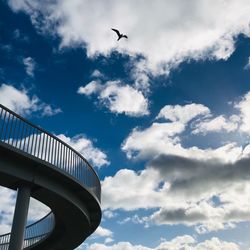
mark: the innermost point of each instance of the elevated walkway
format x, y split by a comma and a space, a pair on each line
57, 176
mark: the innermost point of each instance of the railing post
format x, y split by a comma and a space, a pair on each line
20, 218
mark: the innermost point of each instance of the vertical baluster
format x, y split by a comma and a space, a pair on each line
35, 143
77, 169
32, 138
1, 121
42, 147
14, 132
10, 129
6, 127
74, 164
81, 171
17, 133
46, 147
53, 154
25, 137
3, 124
21, 135
28, 139
58, 153
39, 144
49, 148
70, 160
61, 156
64, 158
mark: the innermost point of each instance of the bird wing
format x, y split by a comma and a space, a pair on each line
117, 32
125, 36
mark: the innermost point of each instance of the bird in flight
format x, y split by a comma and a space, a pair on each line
119, 34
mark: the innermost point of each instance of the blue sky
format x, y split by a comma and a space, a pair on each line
163, 116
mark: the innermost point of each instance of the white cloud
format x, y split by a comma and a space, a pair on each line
165, 138
109, 214
102, 232
159, 137
186, 242
85, 147
140, 74
156, 30
20, 102
91, 88
136, 219
30, 65
108, 240
182, 191
183, 114
118, 246
180, 182
244, 109
140, 187
217, 124
118, 98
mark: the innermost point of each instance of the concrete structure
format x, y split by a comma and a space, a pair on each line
38, 164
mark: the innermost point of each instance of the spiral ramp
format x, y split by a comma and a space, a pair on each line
56, 175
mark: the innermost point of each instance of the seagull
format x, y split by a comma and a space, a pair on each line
119, 34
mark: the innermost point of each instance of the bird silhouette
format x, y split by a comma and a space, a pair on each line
119, 34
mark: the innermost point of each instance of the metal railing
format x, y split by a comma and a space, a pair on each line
17, 132
33, 233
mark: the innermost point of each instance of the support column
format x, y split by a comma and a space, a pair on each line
20, 218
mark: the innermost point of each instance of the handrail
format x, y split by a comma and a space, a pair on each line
17, 132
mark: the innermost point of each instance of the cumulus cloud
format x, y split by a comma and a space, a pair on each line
156, 30
29, 64
85, 147
165, 137
239, 121
182, 190
165, 134
105, 233
183, 114
19, 101
180, 182
117, 97
91, 88
243, 107
155, 139
140, 187
217, 124
109, 214
181, 242
102, 232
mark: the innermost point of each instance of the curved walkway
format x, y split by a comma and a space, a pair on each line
58, 176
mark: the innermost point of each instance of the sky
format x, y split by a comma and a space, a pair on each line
162, 116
